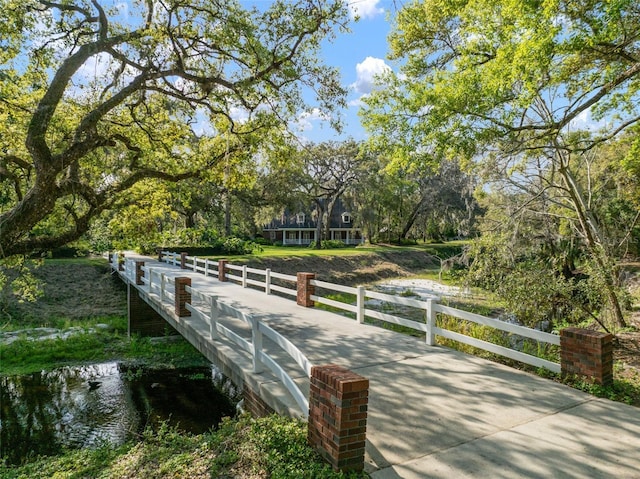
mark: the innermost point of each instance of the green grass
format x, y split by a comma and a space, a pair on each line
273, 447
622, 390
25, 356
439, 249
88, 261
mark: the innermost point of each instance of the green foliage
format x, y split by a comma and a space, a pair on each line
274, 447
526, 285
18, 281
485, 333
329, 244
508, 96
627, 391
209, 242
78, 141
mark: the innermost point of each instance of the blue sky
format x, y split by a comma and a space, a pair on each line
359, 55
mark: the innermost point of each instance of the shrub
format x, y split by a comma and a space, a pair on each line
329, 244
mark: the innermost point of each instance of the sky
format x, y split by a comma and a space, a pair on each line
359, 56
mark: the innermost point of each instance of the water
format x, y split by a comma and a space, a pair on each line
84, 406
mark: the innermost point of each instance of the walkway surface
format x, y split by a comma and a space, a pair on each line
438, 413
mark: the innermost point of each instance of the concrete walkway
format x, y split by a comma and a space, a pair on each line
438, 413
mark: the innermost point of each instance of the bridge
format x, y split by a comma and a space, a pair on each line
429, 411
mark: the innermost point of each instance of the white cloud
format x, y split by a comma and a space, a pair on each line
584, 121
95, 68
239, 114
358, 101
366, 72
304, 122
365, 8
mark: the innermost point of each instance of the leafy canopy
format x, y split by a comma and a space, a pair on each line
98, 95
516, 75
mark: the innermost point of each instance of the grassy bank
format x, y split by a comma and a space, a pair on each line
93, 345
271, 447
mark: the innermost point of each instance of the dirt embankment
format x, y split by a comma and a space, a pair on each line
352, 270
71, 291
74, 290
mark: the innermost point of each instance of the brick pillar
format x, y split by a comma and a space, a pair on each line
120, 262
139, 272
338, 416
587, 353
159, 253
183, 260
143, 319
305, 289
182, 297
222, 270
254, 404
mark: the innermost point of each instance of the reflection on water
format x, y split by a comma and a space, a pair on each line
84, 406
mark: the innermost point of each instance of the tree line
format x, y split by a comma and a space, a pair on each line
512, 123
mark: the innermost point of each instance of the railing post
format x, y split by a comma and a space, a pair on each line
338, 403
139, 272
267, 281
256, 340
305, 289
213, 315
360, 304
195, 264
206, 267
163, 284
183, 260
222, 270
150, 275
182, 296
587, 353
244, 275
431, 321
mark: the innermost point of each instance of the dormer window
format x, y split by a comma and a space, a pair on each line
346, 217
300, 217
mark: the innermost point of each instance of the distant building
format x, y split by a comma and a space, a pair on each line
299, 228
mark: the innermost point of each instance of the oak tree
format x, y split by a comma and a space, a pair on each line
97, 95
506, 84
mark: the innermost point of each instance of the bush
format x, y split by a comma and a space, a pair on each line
329, 244
227, 246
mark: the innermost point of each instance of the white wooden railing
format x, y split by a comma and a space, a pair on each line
242, 275
430, 307
161, 287
208, 309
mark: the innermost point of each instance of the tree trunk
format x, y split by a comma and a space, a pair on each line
412, 219
327, 225
319, 217
595, 244
227, 214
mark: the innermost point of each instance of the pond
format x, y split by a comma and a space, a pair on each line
84, 406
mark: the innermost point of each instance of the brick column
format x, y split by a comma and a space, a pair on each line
143, 319
183, 260
338, 416
587, 353
305, 289
120, 262
182, 297
254, 404
159, 253
139, 272
222, 270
